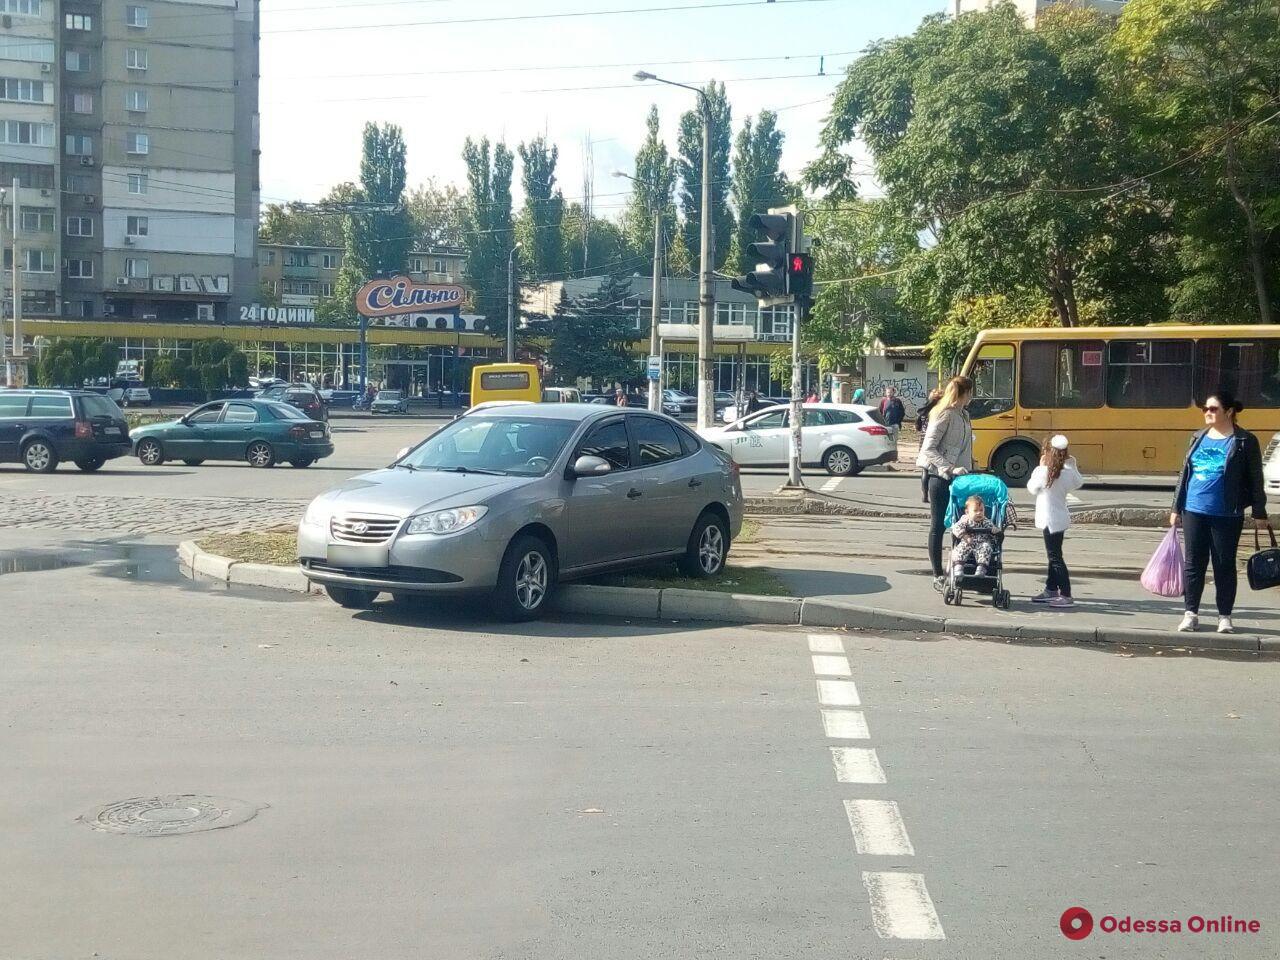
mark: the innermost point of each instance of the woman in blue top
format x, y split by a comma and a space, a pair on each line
1221, 476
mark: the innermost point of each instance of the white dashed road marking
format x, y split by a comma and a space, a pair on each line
831, 485
831, 666
857, 765
878, 830
901, 907
825, 643
838, 693
845, 725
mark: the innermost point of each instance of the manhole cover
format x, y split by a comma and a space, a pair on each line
167, 816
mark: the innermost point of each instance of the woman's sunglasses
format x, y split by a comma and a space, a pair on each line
1211, 408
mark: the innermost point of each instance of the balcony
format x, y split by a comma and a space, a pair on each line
298, 271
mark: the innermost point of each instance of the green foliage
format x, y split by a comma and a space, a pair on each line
438, 213
606, 245
541, 221
758, 181
490, 227
70, 361
954, 337
591, 335
163, 371
301, 224
689, 165
378, 243
655, 177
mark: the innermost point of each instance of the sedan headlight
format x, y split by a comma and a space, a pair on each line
316, 516
443, 522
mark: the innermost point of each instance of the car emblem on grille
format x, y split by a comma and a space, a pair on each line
360, 527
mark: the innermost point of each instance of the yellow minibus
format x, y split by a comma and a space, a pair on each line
505, 381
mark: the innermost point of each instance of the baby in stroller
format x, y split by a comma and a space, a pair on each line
975, 539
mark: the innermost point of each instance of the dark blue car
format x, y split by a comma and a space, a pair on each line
42, 428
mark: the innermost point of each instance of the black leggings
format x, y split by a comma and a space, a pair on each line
1210, 537
939, 498
1059, 577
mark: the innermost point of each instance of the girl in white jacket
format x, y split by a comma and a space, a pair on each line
1050, 483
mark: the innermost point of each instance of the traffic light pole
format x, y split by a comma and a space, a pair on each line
706, 295
795, 479
655, 313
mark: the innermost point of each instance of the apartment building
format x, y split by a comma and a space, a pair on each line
299, 276
133, 128
1031, 9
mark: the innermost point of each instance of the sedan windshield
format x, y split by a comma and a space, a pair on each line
509, 445
389, 395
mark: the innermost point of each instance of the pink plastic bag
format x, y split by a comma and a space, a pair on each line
1163, 575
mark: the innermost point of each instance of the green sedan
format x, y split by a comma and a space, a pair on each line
259, 432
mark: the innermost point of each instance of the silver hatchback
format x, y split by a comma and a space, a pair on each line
513, 500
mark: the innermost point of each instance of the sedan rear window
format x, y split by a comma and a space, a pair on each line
287, 413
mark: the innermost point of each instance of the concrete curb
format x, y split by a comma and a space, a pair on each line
673, 603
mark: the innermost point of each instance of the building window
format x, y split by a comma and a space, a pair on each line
78, 61
80, 269
415, 265
79, 226
138, 144
268, 258
78, 21
204, 312
22, 91
326, 289
136, 101
77, 183
24, 48
136, 269
136, 226
25, 8
80, 102
296, 259
30, 175
37, 261
136, 16
135, 58
26, 133
329, 261
33, 221
138, 184
439, 266
79, 145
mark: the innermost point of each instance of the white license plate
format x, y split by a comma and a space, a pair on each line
317, 434
112, 431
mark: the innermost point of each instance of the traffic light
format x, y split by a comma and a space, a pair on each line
800, 277
770, 280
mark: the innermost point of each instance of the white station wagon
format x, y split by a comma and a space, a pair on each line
841, 438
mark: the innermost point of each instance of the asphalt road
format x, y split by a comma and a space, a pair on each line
431, 784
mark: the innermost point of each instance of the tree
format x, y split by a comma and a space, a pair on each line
591, 335
70, 361
954, 337
689, 165
303, 224
489, 227
438, 214
1007, 148
215, 365
1206, 76
542, 219
758, 181
652, 189
607, 250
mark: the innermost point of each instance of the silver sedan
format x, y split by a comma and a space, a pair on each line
513, 500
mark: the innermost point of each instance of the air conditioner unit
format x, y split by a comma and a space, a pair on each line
46, 67
89, 198
122, 281
45, 193
86, 161
149, 316
129, 241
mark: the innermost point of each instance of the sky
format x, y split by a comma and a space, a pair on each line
329, 66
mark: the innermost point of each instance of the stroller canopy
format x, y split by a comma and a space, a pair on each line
992, 490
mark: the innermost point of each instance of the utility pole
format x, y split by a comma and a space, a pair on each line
655, 314
511, 305
794, 477
16, 362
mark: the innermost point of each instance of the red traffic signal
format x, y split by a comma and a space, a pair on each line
800, 275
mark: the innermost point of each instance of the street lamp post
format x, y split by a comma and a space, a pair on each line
706, 293
655, 343
511, 304
16, 361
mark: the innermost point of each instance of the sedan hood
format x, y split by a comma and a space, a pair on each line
403, 493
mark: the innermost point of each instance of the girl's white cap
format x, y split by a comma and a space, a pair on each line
1059, 442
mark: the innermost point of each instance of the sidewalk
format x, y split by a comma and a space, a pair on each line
883, 563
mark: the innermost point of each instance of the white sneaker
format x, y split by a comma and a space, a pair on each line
1225, 625
1190, 622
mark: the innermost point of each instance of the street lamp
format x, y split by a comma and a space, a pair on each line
706, 294
511, 304
16, 362
655, 345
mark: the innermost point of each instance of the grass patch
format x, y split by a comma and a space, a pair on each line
142, 419
755, 580
750, 532
277, 547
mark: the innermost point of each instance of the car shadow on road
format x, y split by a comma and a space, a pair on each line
824, 583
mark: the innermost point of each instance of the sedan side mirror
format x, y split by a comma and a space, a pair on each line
400, 454
591, 467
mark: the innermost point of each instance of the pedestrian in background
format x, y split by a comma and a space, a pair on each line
1221, 475
619, 398
946, 453
813, 396
859, 396
893, 412
1050, 483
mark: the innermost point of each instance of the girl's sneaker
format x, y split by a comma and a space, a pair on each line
1190, 622
1225, 625
1044, 596
1061, 601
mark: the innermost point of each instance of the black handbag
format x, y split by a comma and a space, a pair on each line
1264, 566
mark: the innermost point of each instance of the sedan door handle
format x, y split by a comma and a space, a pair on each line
634, 494
695, 482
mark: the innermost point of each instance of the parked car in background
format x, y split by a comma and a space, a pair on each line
261, 433
561, 395
843, 439
42, 428
129, 394
510, 501
390, 401
301, 395
263, 383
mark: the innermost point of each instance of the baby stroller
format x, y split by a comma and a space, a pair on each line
1000, 511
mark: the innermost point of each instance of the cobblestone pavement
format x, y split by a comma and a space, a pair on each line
143, 515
